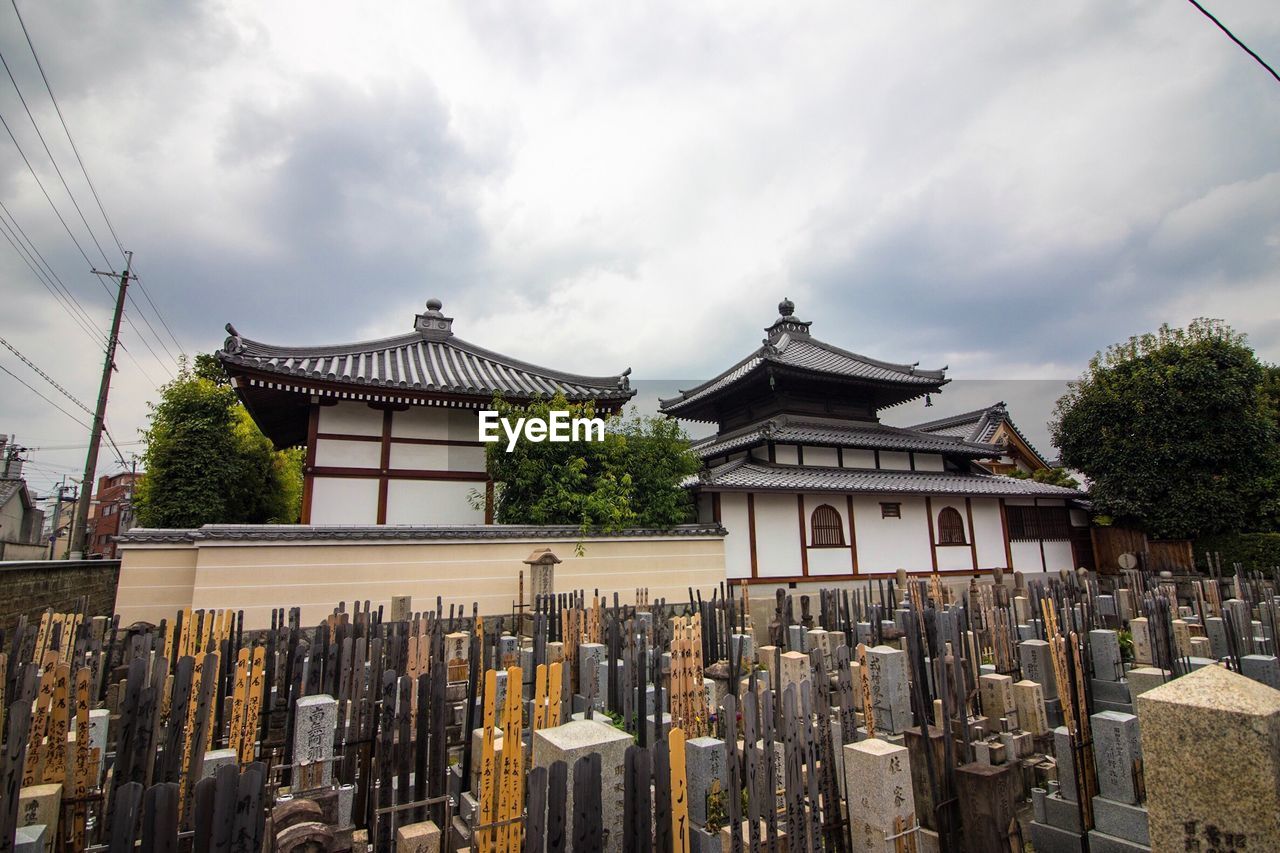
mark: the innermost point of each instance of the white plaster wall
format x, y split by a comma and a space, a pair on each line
895, 461
990, 533
827, 561
344, 500
887, 544
827, 457
1057, 555
462, 458
777, 535
859, 458
464, 424
953, 558
737, 545
422, 422
1026, 555
420, 457
335, 453
761, 453
786, 454
350, 418
432, 502
929, 462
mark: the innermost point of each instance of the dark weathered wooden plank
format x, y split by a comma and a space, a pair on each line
246, 831
160, 819
756, 793
662, 797
123, 828
224, 809
535, 825
11, 771
733, 796
558, 824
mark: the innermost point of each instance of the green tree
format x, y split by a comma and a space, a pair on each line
631, 478
1052, 476
207, 462
1174, 432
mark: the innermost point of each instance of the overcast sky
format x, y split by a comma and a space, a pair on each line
1003, 188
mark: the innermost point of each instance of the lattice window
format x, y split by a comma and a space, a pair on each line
950, 527
891, 510
827, 529
1033, 523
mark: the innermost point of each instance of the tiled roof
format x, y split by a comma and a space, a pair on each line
788, 430
790, 345
979, 425
396, 532
749, 475
429, 359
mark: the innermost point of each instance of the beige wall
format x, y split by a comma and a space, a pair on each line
158, 580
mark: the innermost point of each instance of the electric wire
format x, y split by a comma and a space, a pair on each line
46, 377
43, 397
49, 269
1232, 36
40, 276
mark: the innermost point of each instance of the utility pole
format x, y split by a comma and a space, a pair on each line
79, 526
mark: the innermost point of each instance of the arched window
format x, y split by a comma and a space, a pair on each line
827, 530
950, 527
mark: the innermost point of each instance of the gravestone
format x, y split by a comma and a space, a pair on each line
315, 718
1037, 666
1211, 749
704, 765
1215, 628
1116, 753
996, 693
1261, 668
794, 670
890, 691
1028, 698
542, 571
401, 608
989, 803
578, 739
1141, 632
1104, 646
39, 805
878, 779
418, 838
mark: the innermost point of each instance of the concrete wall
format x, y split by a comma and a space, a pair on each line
31, 587
156, 580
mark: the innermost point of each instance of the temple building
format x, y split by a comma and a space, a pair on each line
992, 425
391, 426
810, 485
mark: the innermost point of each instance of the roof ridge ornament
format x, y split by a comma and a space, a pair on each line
786, 324
234, 343
432, 323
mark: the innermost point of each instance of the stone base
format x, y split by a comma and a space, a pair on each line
1050, 839
1121, 820
701, 841
1062, 813
1111, 691
1119, 707
726, 839
1100, 842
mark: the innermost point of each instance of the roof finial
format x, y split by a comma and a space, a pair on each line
786, 307
433, 323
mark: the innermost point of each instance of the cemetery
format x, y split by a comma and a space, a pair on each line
1075, 712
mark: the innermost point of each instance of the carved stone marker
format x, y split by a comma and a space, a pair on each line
316, 717
1211, 748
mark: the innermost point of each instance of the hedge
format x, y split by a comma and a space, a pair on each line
1251, 550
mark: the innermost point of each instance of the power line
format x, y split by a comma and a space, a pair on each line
88, 180
48, 198
1232, 36
46, 377
40, 276
138, 364
43, 397
52, 159
55, 277
53, 447
66, 129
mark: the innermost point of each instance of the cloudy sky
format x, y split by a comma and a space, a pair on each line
1000, 187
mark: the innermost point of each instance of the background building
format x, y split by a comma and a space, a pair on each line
21, 521
111, 512
391, 425
991, 425
809, 484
